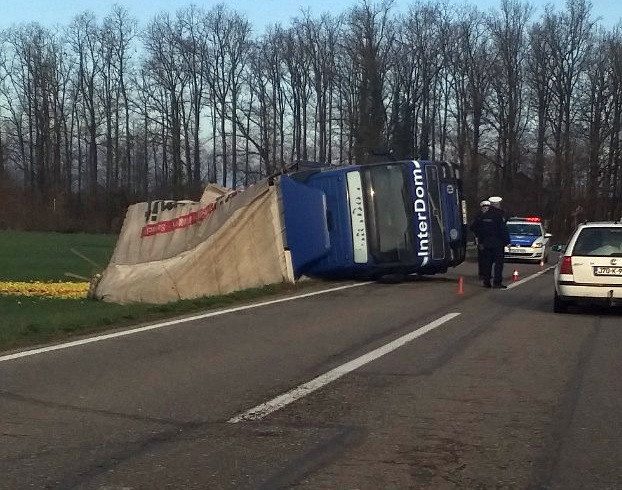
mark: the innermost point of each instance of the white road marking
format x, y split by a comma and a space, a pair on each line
529, 278
294, 394
169, 323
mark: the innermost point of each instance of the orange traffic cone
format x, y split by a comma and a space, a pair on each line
460, 285
515, 275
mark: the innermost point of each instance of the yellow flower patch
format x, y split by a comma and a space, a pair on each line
68, 290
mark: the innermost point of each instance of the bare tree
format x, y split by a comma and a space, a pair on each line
229, 39
368, 41
596, 114
424, 41
508, 28
195, 52
471, 75
569, 37
254, 123
298, 66
318, 40
613, 187
119, 31
539, 62
84, 40
162, 44
78, 112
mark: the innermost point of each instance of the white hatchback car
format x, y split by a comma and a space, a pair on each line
590, 270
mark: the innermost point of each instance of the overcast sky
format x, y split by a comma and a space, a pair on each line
259, 12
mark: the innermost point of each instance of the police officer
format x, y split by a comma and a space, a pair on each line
493, 236
483, 207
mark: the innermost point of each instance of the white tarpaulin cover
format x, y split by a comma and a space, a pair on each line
172, 250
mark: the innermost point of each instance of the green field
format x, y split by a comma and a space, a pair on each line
26, 321
31, 256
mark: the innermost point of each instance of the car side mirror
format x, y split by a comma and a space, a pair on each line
558, 248
547, 235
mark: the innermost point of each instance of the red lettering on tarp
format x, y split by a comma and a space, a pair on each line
183, 221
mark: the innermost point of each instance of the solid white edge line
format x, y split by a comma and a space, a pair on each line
260, 411
169, 323
529, 278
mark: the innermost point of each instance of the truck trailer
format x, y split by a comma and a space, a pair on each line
316, 220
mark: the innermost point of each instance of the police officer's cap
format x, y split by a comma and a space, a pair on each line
495, 199
485, 202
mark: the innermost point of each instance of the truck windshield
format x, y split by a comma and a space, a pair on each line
389, 211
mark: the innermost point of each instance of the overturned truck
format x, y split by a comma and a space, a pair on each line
314, 220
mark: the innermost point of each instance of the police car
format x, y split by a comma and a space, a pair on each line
528, 240
591, 268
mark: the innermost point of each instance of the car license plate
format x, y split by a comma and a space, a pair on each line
608, 271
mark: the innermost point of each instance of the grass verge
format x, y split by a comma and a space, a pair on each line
32, 320
28, 321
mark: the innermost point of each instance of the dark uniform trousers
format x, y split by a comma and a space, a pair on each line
490, 256
480, 261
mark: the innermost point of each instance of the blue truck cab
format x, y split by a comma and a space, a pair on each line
368, 221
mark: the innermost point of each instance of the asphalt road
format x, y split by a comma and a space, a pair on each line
503, 394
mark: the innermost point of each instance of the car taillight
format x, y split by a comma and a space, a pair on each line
566, 267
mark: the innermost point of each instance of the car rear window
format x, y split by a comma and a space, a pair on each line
601, 242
